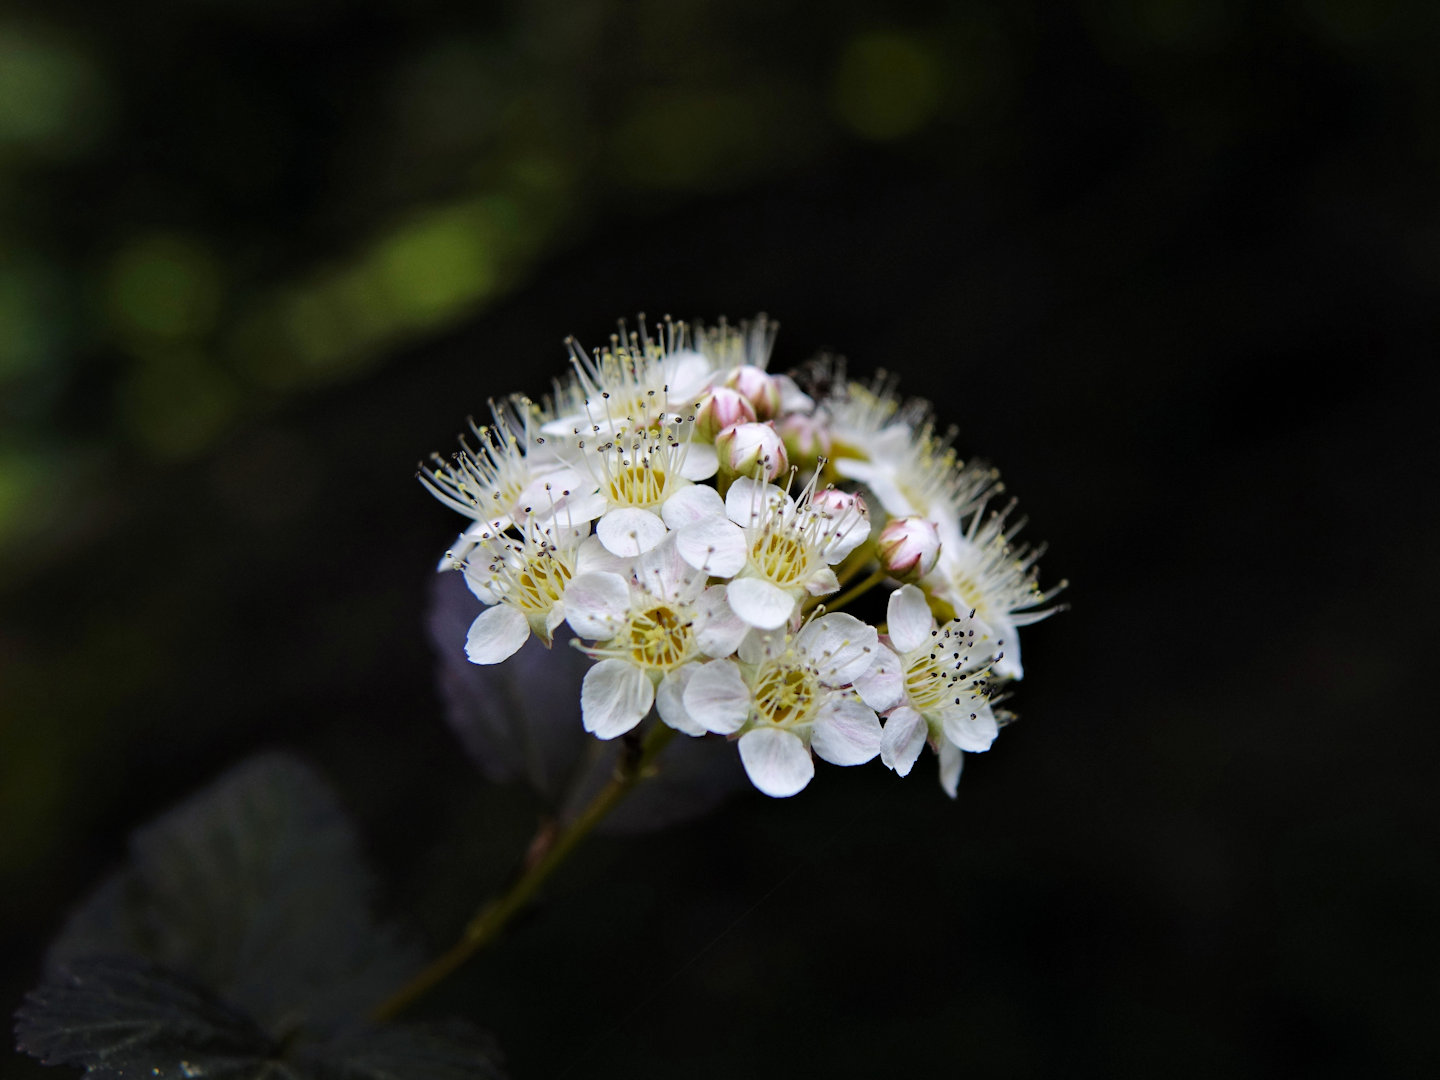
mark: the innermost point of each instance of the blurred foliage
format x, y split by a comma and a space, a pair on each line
206, 209
255, 257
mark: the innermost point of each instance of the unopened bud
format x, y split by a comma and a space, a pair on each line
757, 387
745, 447
909, 547
720, 408
807, 438
832, 502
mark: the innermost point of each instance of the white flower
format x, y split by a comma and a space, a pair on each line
789, 694
524, 580
778, 549
651, 630
635, 382
507, 477
727, 346
894, 451
933, 687
637, 473
983, 571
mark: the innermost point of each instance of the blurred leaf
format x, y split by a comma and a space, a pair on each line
255, 888
239, 943
520, 720
451, 1051
119, 1017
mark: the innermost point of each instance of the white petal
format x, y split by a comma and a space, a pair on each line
670, 700
581, 507
496, 634
717, 698
591, 557
1007, 643
760, 603
822, 583
748, 501
687, 375
595, 605
701, 462
692, 503
630, 531
908, 619
718, 630
850, 532
846, 732
971, 726
840, 646
614, 698
714, 545
951, 760
904, 738
776, 761
482, 582
883, 686
792, 398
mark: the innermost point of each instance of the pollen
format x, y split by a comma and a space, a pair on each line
783, 557
659, 638
786, 694
636, 484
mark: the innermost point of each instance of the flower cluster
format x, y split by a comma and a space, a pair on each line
700, 522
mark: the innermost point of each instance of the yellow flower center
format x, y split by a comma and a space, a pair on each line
641, 485
782, 557
786, 694
659, 638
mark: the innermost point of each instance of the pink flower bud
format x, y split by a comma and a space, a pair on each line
744, 447
909, 547
807, 438
760, 389
835, 503
720, 408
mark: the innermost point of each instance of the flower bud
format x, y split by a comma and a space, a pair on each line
720, 408
909, 547
832, 502
807, 438
759, 388
743, 447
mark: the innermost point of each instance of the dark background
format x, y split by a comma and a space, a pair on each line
1172, 265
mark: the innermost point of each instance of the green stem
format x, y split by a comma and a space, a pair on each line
851, 593
492, 918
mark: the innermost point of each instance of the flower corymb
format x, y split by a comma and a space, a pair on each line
714, 533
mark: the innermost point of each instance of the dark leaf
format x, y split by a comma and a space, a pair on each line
123, 1017
254, 888
520, 720
453, 1051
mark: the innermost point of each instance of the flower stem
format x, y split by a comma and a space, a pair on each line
854, 591
487, 923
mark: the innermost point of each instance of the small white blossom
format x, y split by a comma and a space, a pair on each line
524, 580
634, 382
788, 695
894, 451
637, 472
984, 571
932, 684
509, 476
776, 548
650, 631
